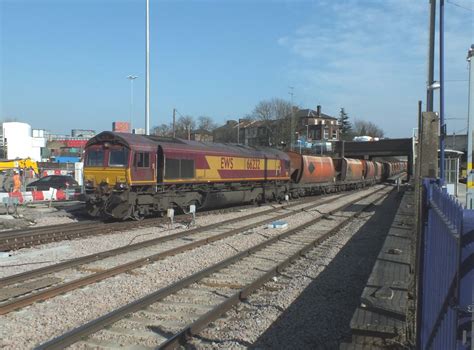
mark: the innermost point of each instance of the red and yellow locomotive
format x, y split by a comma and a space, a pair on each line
132, 176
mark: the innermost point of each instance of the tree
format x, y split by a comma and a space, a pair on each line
165, 130
206, 123
346, 127
279, 110
273, 109
365, 128
184, 126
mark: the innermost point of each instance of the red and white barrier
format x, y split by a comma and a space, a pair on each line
37, 196
55, 172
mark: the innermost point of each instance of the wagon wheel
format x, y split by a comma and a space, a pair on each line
259, 200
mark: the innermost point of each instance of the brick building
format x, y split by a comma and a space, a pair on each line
314, 125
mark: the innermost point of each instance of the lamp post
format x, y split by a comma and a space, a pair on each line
431, 55
131, 78
298, 138
147, 66
292, 121
442, 126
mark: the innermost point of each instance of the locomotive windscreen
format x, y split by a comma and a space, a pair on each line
95, 157
118, 157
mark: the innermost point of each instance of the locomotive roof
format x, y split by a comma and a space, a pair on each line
130, 140
150, 142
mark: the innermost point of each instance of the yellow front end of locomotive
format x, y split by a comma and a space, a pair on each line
100, 176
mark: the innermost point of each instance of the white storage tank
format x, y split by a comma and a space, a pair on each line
17, 137
20, 143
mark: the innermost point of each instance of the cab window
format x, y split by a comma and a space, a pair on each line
118, 157
142, 160
95, 157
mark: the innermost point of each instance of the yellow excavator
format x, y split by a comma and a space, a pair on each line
25, 166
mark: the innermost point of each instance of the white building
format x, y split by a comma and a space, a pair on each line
138, 131
21, 142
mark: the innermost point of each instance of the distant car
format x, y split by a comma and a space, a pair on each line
62, 182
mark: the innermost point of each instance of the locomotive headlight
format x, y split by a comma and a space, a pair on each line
89, 184
120, 186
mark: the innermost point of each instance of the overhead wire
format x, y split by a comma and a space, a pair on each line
459, 5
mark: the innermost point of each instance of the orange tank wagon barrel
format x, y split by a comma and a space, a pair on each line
369, 169
318, 169
351, 169
378, 170
305, 169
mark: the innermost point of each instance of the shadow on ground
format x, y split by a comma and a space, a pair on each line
320, 317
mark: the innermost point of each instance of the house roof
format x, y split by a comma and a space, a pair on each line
311, 113
201, 131
256, 123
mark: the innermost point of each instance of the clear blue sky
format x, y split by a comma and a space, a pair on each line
64, 62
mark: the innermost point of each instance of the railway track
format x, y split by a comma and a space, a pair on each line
25, 238
26, 288
168, 316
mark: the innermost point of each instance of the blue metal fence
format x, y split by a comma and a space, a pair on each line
447, 271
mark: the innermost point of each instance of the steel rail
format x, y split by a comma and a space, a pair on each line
62, 288
197, 326
23, 276
24, 238
96, 325
47, 234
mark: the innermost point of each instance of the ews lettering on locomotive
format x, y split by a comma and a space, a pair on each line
253, 164
227, 163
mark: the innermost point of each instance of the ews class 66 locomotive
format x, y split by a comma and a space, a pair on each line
133, 176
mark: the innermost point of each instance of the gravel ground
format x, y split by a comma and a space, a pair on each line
82, 305
40, 322
311, 304
47, 254
40, 215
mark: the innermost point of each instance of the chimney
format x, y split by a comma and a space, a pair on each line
318, 110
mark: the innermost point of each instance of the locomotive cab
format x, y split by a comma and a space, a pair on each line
117, 162
105, 166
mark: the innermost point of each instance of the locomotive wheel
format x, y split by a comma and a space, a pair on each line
134, 214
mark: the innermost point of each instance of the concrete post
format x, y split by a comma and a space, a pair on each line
470, 127
429, 145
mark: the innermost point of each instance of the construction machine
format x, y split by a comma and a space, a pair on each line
28, 169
